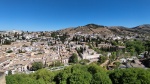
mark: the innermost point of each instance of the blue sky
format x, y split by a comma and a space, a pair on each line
47, 15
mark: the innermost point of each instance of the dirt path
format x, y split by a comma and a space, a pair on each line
2, 79
105, 63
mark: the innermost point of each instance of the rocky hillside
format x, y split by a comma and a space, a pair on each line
142, 28
87, 29
105, 30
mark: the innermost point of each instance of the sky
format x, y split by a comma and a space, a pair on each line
49, 15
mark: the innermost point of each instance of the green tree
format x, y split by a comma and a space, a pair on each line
45, 75
73, 58
113, 56
70, 74
54, 34
83, 74
7, 42
9, 51
36, 66
117, 64
102, 59
133, 46
99, 75
147, 46
101, 78
64, 37
130, 76
9, 72
84, 61
20, 79
93, 68
80, 77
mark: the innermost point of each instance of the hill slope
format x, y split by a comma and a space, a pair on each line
105, 30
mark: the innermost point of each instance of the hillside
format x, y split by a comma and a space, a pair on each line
105, 30
142, 28
87, 29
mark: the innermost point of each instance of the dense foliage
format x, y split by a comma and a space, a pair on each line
42, 76
61, 38
83, 74
102, 59
135, 46
147, 46
37, 66
130, 76
73, 58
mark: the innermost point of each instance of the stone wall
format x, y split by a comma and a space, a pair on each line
2, 78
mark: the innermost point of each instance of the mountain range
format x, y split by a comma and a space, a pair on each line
107, 30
